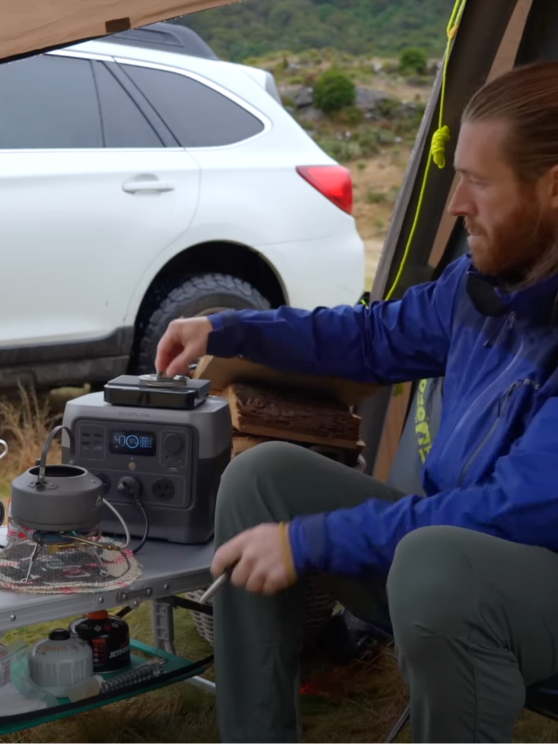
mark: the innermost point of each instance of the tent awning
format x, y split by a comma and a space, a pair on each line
33, 25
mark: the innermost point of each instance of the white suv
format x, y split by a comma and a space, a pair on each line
138, 185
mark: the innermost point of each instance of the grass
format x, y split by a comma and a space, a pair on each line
25, 426
359, 702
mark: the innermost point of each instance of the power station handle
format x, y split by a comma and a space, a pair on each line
42, 462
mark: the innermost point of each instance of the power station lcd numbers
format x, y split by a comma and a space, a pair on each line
132, 442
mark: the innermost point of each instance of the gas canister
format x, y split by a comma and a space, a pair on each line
109, 638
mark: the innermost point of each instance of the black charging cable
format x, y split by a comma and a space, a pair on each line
131, 488
146, 530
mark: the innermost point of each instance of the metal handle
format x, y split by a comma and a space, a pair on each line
42, 462
217, 584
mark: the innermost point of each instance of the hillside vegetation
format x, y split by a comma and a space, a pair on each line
382, 27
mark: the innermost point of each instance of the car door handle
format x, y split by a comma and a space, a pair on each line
147, 186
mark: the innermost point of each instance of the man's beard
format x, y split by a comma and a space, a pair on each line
522, 250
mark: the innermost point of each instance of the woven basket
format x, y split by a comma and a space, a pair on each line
317, 611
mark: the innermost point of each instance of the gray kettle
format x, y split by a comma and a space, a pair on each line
57, 498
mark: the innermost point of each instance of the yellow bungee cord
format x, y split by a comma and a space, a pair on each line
440, 139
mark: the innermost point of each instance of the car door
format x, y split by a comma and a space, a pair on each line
90, 193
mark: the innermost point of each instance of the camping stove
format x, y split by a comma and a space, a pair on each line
159, 446
56, 543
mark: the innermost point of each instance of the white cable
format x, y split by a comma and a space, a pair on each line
122, 522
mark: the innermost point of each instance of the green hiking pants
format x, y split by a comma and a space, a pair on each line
475, 618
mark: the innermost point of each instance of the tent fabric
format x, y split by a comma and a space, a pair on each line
34, 25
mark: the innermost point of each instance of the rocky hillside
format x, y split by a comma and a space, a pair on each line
387, 110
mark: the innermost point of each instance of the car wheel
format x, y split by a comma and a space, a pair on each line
200, 295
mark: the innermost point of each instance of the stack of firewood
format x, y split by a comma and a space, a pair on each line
263, 413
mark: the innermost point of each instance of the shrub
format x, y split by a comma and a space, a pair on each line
413, 61
351, 116
385, 136
388, 108
375, 197
333, 90
341, 150
368, 142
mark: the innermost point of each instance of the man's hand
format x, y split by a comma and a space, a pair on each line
184, 341
262, 558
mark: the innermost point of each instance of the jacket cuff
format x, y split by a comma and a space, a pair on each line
226, 338
307, 536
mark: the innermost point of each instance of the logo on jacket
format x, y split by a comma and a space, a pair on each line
422, 427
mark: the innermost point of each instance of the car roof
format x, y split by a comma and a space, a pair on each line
228, 74
164, 37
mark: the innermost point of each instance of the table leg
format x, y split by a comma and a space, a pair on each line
162, 623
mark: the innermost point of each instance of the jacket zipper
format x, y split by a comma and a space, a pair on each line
502, 329
470, 462
473, 404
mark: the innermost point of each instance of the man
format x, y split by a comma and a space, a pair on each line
472, 572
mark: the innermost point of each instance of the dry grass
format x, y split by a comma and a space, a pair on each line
375, 184
26, 419
359, 702
25, 424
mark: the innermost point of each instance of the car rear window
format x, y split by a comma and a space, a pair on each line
197, 115
49, 102
124, 125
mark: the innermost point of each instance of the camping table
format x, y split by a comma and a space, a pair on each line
167, 570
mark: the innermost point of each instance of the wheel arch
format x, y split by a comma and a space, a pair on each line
220, 257
232, 259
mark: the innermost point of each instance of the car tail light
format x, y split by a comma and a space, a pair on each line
333, 181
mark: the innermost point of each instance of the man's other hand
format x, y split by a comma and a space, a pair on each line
261, 557
183, 342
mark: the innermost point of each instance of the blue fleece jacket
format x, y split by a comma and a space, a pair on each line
493, 466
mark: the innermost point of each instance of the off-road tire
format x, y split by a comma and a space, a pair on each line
199, 295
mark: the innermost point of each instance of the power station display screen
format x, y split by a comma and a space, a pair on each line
132, 442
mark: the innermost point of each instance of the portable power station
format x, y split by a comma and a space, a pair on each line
159, 446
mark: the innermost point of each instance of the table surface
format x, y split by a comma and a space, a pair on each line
167, 569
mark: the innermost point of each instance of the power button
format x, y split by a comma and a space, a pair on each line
174, 444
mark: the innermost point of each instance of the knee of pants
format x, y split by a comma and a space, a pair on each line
242, 480
432, 588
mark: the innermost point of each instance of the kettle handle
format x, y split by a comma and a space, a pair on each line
42, 462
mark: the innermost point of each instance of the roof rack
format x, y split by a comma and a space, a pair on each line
166, 37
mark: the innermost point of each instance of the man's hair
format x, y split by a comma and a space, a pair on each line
527, 98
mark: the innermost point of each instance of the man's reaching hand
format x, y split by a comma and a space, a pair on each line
184, 341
